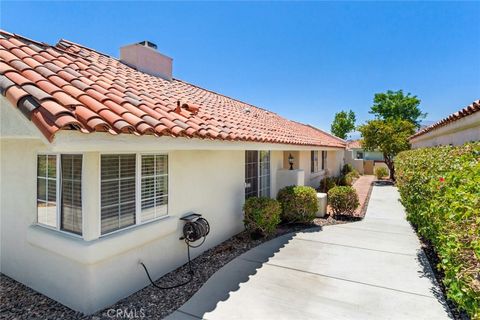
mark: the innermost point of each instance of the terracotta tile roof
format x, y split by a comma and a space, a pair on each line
356, 144
465, 112
69, 86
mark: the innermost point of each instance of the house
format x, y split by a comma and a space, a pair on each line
456, 129
365, 162
100, 157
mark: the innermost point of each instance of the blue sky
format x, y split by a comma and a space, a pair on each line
303, 60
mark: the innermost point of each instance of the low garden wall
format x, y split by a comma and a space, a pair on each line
440, 189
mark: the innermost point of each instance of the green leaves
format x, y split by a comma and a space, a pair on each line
299, 203
343, 200
440, 189
394, 105
262, 215
343, 124
388, 136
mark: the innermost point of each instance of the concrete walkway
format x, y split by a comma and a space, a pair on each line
372, 269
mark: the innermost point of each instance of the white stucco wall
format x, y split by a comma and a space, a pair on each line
455, 133
93, 272
90, 275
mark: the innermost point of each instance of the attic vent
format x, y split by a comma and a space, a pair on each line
246, 110
149, 44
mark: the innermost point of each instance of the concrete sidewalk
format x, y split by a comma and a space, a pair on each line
372, 269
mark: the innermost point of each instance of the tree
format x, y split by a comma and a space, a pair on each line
343, 123
394, 105
389, 137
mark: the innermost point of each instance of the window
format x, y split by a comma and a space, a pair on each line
324, 160
359, 155
117, 191
71, 193
257, 173
134, 189
59, 178
154, 186
264, 173
314, 161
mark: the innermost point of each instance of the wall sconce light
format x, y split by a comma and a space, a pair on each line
290, 161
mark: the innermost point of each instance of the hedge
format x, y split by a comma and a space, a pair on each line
440, 189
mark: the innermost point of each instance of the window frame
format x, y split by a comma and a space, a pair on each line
312, 161
58, 186
258, 175
138, 190
324, 159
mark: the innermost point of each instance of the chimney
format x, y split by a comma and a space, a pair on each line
144, 57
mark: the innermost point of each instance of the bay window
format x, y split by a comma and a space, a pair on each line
59, 192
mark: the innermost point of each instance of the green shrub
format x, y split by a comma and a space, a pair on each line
299, 203
345, 180
262, 215
381, 172
350, 177
355, 173
343, 200
347, 168
440, 189
327, 183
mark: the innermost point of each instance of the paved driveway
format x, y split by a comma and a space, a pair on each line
373, 269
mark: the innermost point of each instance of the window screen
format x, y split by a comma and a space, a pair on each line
154, 186
47, 190
71, 193
117, 191
324, 160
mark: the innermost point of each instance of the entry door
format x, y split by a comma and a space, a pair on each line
257, 173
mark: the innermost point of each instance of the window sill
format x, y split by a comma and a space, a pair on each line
91, 252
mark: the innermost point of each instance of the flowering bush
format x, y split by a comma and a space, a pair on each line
440, 189
299, 203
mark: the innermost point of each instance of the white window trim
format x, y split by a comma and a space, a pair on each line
58, 156
138, 190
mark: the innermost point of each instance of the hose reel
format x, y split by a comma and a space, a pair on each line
195, 228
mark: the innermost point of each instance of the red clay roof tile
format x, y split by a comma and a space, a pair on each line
468, 110
104, 93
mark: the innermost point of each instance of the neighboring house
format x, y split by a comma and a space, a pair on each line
456, 129
365, 162
101, 157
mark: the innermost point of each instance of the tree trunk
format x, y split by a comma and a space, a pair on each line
390, 165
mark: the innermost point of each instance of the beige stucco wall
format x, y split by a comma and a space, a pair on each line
302, 160
357, 164
456, 133
89, 275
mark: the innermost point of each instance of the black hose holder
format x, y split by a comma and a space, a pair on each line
195, 227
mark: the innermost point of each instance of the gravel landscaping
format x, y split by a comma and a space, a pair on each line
21, 302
